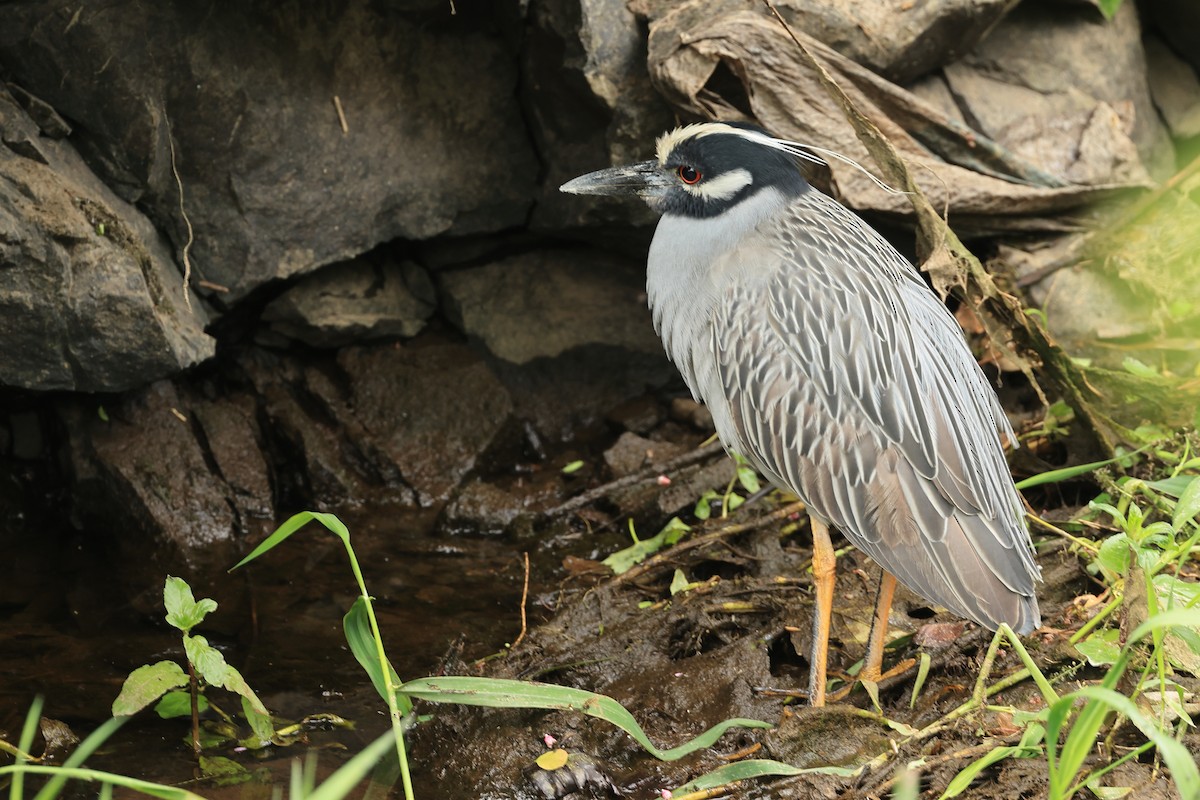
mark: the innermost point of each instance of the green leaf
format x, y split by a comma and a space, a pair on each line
1131, 365
145, 685
1064, 473
206, 659
573, 467
179, 704
1188, 505
622, 560
224, 771
1113, 557
1174, 486
1101, 648
499, 693
922, 674
679, 582
183, 611
211, 665
748, 478
1179, 760
342, 783
757, 768
1109, 9
295, 523
357, 627
263, 731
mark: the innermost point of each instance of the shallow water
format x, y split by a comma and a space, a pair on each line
66, 635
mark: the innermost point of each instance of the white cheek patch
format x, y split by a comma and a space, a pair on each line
722, 187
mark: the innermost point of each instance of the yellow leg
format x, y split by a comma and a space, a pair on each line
824, 564
873, 662
872, 669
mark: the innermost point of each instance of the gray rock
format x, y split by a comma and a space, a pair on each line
592, 104
90, 298
354, 301
1179, 23
544, 303
248, 100
1067, 91
1175, 88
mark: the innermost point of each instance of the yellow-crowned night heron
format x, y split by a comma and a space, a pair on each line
829, 364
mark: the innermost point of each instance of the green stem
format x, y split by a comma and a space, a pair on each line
393, 704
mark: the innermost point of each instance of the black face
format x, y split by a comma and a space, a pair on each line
714, 172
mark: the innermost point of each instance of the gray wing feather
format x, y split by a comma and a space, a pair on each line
848, 382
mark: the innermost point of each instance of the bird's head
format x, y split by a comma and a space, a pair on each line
702, 170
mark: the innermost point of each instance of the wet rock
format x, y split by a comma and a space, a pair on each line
231, 438
322, 467
145, 475
481, 508
301, 135
1175, 88
90, 298
428, 412
898, 40
543, 303
1065, 89
632, 453
354, 302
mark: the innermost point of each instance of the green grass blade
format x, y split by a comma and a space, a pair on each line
1179, 760
341, 783
1066, 473
1173, 618
1188, 505
294, 524
17, 790
362, 644
95, 775
499, 693
88, 746
757, 768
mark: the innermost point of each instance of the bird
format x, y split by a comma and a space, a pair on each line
832, 368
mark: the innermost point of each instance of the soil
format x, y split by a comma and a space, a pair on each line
734, 644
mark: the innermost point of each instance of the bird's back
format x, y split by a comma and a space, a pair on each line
830, 365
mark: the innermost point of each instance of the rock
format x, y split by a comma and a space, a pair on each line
301, 135
232, 440
632, 453
900, 41
90, 299
1178, 21
481, 508
685, 409
322, 469
353, 302
146, 474
1175, 88
570, 332
544, 303
1063, 88
592, 105
640, 414
428, 412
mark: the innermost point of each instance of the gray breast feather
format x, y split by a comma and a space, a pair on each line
840, 375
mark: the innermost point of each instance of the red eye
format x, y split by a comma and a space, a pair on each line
688, 175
